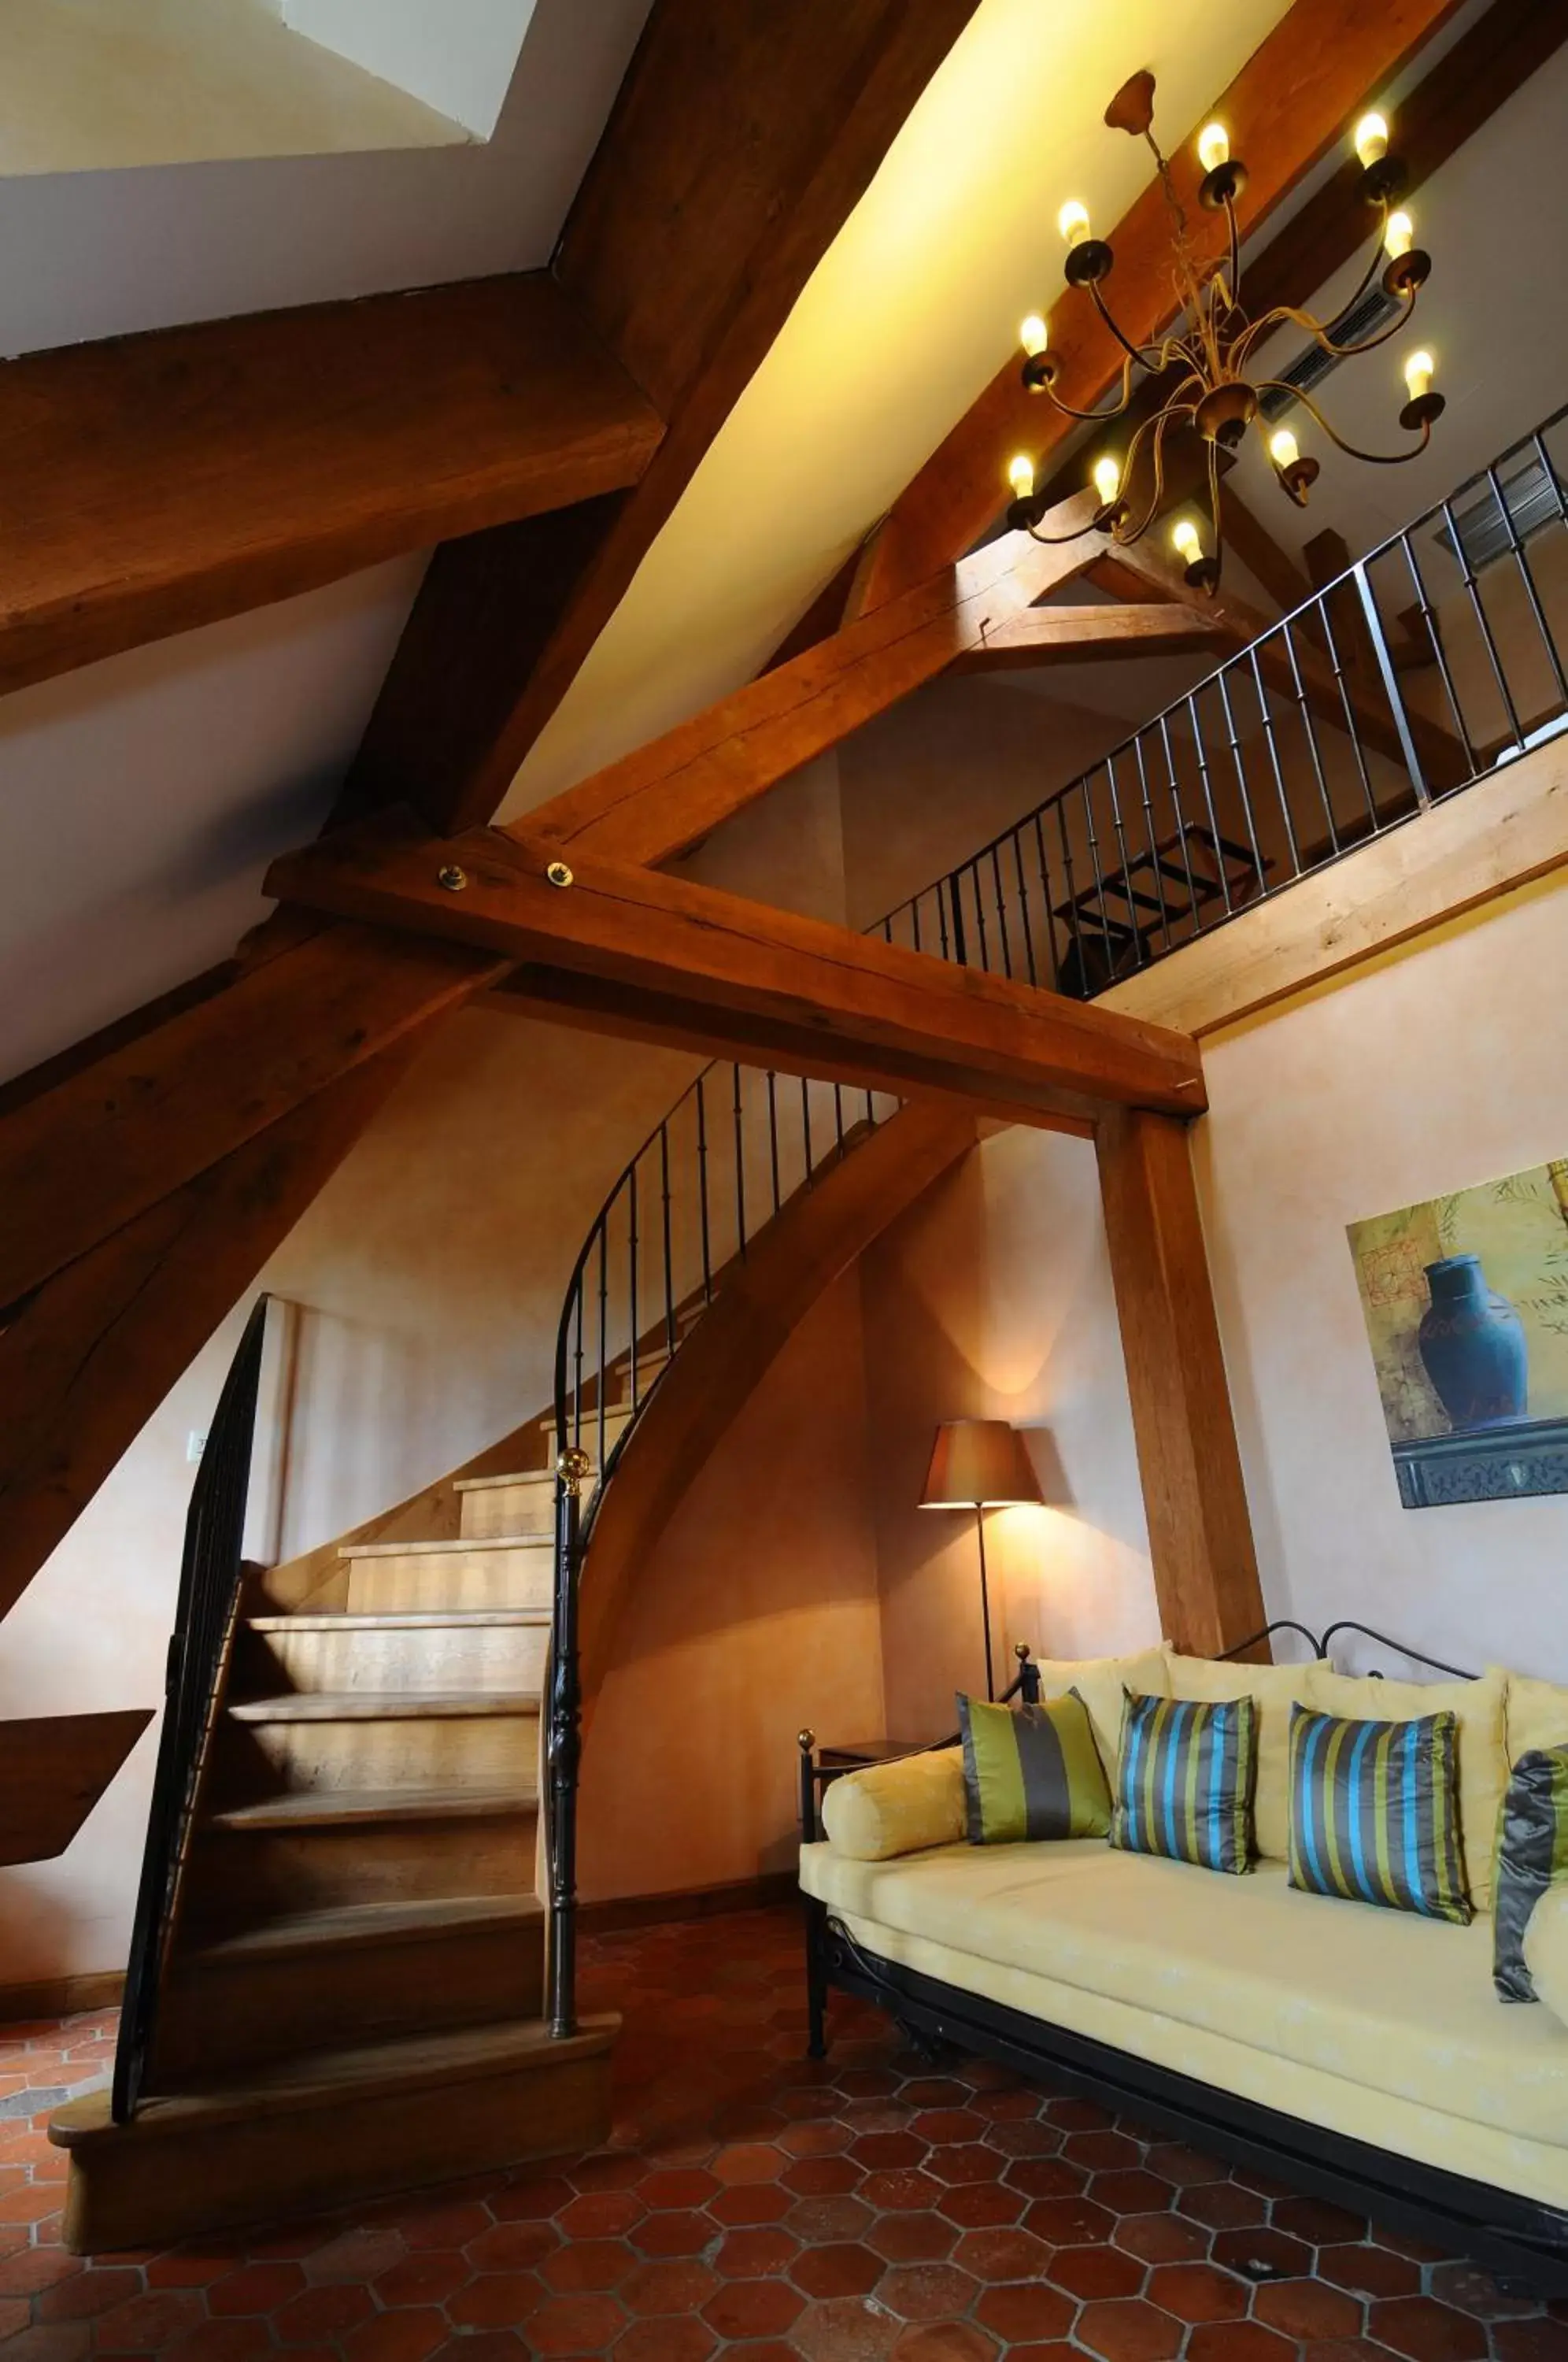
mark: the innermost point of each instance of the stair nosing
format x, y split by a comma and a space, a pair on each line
493, 1484
371, 1923
445, 1547
344, 1808
403, 1619
384, 1706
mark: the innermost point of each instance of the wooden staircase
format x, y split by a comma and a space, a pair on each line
351, 2003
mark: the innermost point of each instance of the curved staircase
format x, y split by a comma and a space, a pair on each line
347, 1965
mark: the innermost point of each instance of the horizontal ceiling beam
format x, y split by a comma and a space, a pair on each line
156, 482
1055, 636
657, 801
1297, 94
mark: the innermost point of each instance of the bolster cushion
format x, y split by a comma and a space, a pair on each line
1546, 1950
893, 1808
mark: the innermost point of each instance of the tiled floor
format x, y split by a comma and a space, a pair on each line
757, 2204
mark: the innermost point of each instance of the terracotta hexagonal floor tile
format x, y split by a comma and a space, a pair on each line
748, 2309
1314, 2220
512, 2247
943, 2125
926, 2292
1101, 2152
1069, 2222
682, 2284
323, 2315
752, 2202
675, 2186
427, 2278
1369, 2271
1237, 2341
816, 2221
1007, 2255
1222, 2205
88, 2293
576, 2325
843, 2268
1474, 2290
1162, 2238
1089, 2273
822, 2177
585, 2267
601, 2215
819, 2136
411, 2336
981, 2205
1025, 2311
1131, 2191
749, 2161
750, 2254
1260, 2252
1198, 2293
679, 2232
1308, 2311
936, 2091
877, 2150
1047, 2177
687, 2339
1543, 2339
902, 2190
947, 2340
148, 2323
1130, 2330
1426, 2331
913, 2238
257, 2288
498, 2301
844, 2329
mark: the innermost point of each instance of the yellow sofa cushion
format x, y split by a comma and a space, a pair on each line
1480, 1706
1546, 1951
1538, 1714
1101, 1682
1275, 1689
894, 1808
1381, 1999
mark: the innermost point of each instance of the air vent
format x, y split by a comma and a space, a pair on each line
1312, 366
1533, 497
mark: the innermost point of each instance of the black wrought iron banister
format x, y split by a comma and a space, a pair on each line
211, 1575
1412, 675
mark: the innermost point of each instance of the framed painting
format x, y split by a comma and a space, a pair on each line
1465, 1299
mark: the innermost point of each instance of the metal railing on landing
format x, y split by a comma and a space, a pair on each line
735, 1147
1404, 681
210, 1574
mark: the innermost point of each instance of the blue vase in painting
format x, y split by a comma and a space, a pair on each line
1473, 1345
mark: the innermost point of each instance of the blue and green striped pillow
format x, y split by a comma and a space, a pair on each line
1032, 1772
1184, 1781
1375, 1812
1532, 1854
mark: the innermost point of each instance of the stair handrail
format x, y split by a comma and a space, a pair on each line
211, 1575
1112, 871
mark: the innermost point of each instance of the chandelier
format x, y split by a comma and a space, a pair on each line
1212, 392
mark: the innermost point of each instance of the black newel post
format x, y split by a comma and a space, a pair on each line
565, 1745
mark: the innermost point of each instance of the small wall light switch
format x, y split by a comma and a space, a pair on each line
195, 1444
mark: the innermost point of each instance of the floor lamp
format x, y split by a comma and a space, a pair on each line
980, 1465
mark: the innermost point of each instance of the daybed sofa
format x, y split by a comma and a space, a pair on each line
1360, 2052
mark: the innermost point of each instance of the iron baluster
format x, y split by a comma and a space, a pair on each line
668, 1272
1348, 710
1391, 685
1462, 555
942, 925
577, 1363
1285, 811
1126, 865
1049, 915
702, 1192
631, 1249
1074, 926
960, 951
971, 869
603, 1335
1110, 962
1193, 911
1223, 686
1311, 728
1001, 907
914, 922
806, 1127
740, 1170
564, 1745
1156, 865
1434, 636
1527, 574
1215, 834
838, 1116
1016, 840
773, 1134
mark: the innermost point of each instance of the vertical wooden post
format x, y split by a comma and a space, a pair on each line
1200, 1536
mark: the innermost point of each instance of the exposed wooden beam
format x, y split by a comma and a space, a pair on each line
1464, 852
159, 481
87, 1357
1054, 636
113, 1139
898, 1020
661, 799
53, 1769
742, 138
1201, 1538
1296, 95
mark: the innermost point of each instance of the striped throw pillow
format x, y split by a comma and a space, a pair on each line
1375, 1812
1183, 1779
1032, 1772
1532, 1854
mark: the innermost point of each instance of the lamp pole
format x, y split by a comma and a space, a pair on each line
985, 1599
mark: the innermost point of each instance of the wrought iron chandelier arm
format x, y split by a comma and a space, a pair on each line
1096, 417
1134, 352
1319, 335
1351, 450
1159, 424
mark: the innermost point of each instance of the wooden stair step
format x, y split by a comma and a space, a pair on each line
465, 1571
544, 1477
381, 1706
456, 1546
331, 2128
363, 1806
318, 1979
401, 1619
428, 1651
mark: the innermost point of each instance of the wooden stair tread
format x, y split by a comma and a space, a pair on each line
493, 1484
445, 1548
306, 1808
400, 1620
383, 1706
353, 1923
405, 2063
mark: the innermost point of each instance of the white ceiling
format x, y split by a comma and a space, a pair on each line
173, 773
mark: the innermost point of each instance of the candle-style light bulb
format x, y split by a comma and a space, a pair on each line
1106, 475
1020, 476
1213, 147
1283, 449
1185, 540
1419, 371
1398, 235
1370, 140
1073, 223
1033, 336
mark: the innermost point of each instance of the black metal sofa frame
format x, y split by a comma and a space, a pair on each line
1523, 2244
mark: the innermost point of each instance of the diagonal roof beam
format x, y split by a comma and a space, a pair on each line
743, 137
1295, 97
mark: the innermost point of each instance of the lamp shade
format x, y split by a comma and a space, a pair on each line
978, 1463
